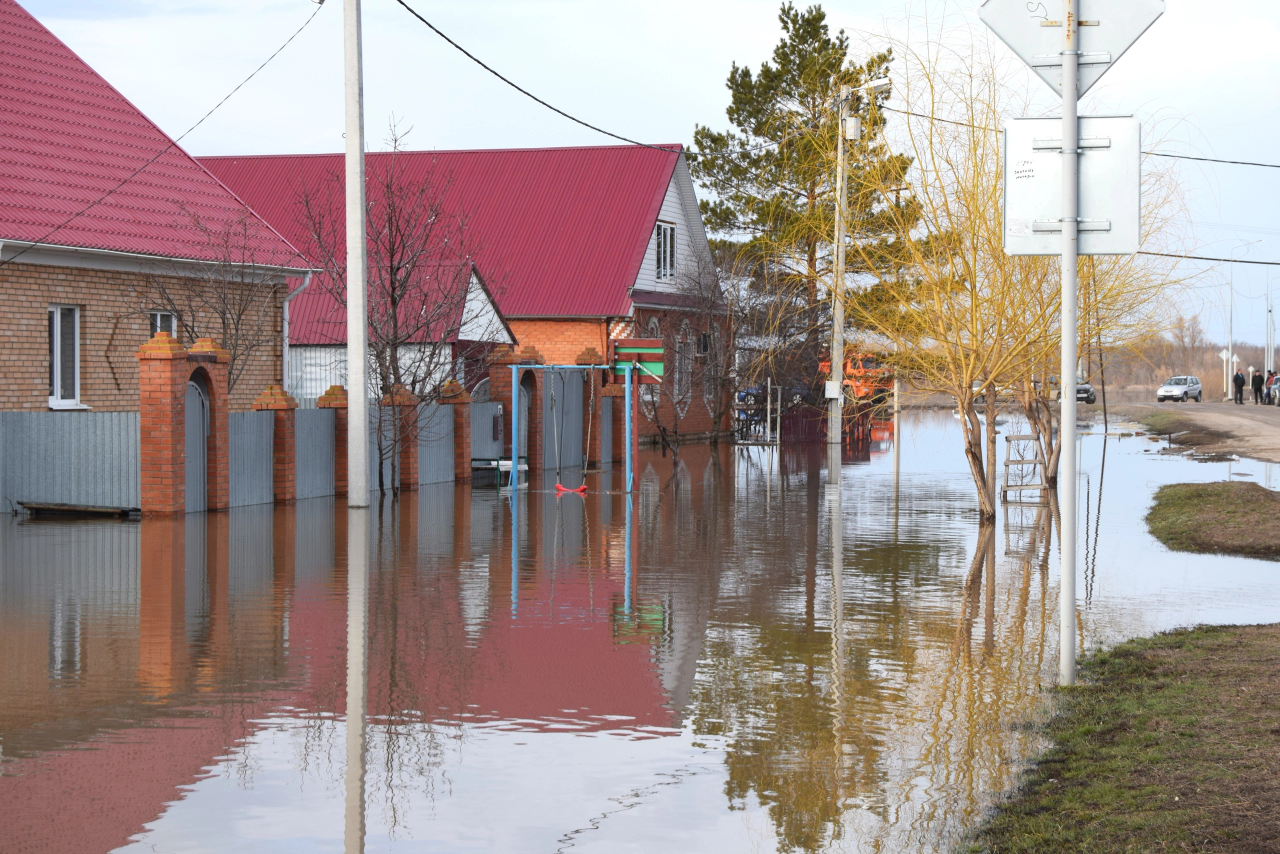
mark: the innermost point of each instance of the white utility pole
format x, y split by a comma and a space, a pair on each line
357, 313
835, 398
1067, 366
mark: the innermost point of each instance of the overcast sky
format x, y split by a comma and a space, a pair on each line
649, 71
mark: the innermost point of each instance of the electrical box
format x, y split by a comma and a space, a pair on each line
833, 390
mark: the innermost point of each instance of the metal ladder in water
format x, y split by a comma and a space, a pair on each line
1017, 459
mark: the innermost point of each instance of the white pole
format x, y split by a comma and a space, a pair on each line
357, 323
835, 406
768, 411
1067, 368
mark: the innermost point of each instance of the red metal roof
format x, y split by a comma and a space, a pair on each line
67, 138
557, 232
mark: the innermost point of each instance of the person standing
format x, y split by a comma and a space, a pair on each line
1238, 382
1257, 387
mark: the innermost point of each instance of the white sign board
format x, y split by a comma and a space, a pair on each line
1034, 30
1110, 186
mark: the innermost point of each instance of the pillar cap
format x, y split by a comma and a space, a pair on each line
162, 345
207, 350
334, 397
530, 355
274, 397
400, 396
503, 354
589, 356
453, 392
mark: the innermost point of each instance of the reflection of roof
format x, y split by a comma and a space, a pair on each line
69, 138
558, 232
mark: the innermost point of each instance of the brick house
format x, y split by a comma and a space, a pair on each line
100, 211
578, 246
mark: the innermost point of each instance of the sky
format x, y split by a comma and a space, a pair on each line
1206, 73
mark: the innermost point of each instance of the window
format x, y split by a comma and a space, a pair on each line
682, 380
704, 343
64, 356
163, 321
666, 252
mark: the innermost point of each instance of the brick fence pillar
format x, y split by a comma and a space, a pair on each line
205, 355
455, 396
162, 389
336, 399
531, 356
592, 404
284, 444
404, 415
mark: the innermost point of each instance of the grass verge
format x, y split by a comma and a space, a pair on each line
1223, 518
1169, 743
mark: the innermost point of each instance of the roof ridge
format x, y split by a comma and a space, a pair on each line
670, 148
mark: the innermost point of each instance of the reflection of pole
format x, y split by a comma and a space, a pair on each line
357, 322
357, 680
835, 406
626, 562
837, 623
1067, 367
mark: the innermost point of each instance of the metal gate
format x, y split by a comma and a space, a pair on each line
251, 469
486, 431
195, 444
562, 392
435, 444
313, 452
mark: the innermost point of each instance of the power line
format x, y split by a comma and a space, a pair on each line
1152, 153
1219, 260
520, 89
161, 152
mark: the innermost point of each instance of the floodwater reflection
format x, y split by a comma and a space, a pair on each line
748, 655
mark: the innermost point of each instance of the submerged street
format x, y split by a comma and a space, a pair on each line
716, 688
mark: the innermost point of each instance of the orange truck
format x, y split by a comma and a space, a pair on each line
866, 380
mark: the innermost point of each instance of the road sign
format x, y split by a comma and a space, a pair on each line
1110, 186
1033, 29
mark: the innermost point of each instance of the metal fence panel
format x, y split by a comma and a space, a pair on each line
435, 444
251, 437
90, 458
313, 452
486, 431
606, 431
562, 419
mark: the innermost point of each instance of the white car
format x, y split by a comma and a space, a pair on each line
1180, 388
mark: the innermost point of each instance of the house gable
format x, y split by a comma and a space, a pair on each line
692, 249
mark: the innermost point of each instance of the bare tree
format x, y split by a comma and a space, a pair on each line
233, 298
424, 292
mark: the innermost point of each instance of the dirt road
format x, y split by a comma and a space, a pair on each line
1213, 427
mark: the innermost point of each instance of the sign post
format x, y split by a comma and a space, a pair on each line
1047, 46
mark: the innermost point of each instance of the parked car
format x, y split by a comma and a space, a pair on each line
1084, 391
1180, 388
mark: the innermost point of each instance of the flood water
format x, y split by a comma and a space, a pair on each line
682, 673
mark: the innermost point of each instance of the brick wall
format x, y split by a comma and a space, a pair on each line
560, 341
113, 324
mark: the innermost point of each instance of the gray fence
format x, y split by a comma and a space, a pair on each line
251, 435
313, 452
87, 458
562, 419
435, 444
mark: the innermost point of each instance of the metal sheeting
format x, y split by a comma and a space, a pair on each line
487, 435
562, 419
252, 434
313, 452
606, 431
71, 458
435, 444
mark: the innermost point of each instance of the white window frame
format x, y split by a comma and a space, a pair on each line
155, 317
665, 252
55, 358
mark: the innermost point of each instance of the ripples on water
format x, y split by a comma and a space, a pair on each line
181, 685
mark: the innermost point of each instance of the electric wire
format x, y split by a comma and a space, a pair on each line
172, 143
521, 89
1218, 260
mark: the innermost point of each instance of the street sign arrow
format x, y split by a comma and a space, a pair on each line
1033, 29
